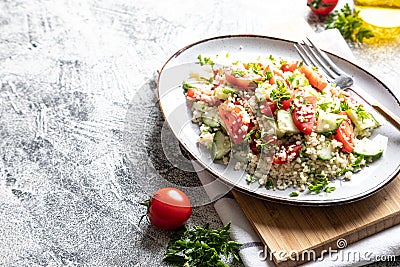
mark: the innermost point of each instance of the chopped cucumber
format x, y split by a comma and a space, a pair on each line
297, 80
326, 152
223, 93
218, 92
285, 123
328, 122
200, 105
221, 146
328, 104
310, 91
211, 118
368, 148
362, 121
278, 132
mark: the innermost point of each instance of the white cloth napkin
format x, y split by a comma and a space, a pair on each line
376, 247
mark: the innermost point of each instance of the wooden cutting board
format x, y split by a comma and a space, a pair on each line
300, 228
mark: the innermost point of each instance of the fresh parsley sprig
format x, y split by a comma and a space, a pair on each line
205, 60
320, 183
349, 23
201, 246
280, 94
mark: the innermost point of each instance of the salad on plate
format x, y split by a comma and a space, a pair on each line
282, 122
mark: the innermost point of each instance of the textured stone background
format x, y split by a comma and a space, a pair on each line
80, 141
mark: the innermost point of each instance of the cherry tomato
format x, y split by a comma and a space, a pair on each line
286, 154
345, 135
315, 78
322, 7
236, 128
169, 208
304, 114
246, 82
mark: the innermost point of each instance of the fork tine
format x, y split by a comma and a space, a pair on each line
301, 54
308, 59
319, 61
326, 58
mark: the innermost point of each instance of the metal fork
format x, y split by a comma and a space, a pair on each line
313, 56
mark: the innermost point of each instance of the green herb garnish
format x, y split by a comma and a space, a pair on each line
344, 106
324, 106
315, 4
362, 113
268, 75
201, 247
186, 86
357, 163
205, 60
238, 72
229, 91
256, 68
330, 189
271, 58
209, 80
349, 23
294, 194
280, 94
248, 136
318, 184
269, 184
342, 172
251, 179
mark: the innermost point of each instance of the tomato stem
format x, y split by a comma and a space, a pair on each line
145, 203
315, 4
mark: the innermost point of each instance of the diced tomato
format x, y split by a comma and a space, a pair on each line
268, 108
277, 75
286, 103
247, 82
290, 66
345, 135
274, 79
286, 154
315, 78
304, 114
190, 92
204, 95
236, 128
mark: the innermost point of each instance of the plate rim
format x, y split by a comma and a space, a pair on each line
282, 200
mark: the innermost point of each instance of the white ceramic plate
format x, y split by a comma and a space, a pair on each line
178, 116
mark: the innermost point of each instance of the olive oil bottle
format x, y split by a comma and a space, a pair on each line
382, 17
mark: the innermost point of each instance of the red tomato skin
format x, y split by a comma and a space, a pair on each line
306, 126
323, 10
345, 135
290, 66
169, 208
286, 103
315, 78
293, 148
